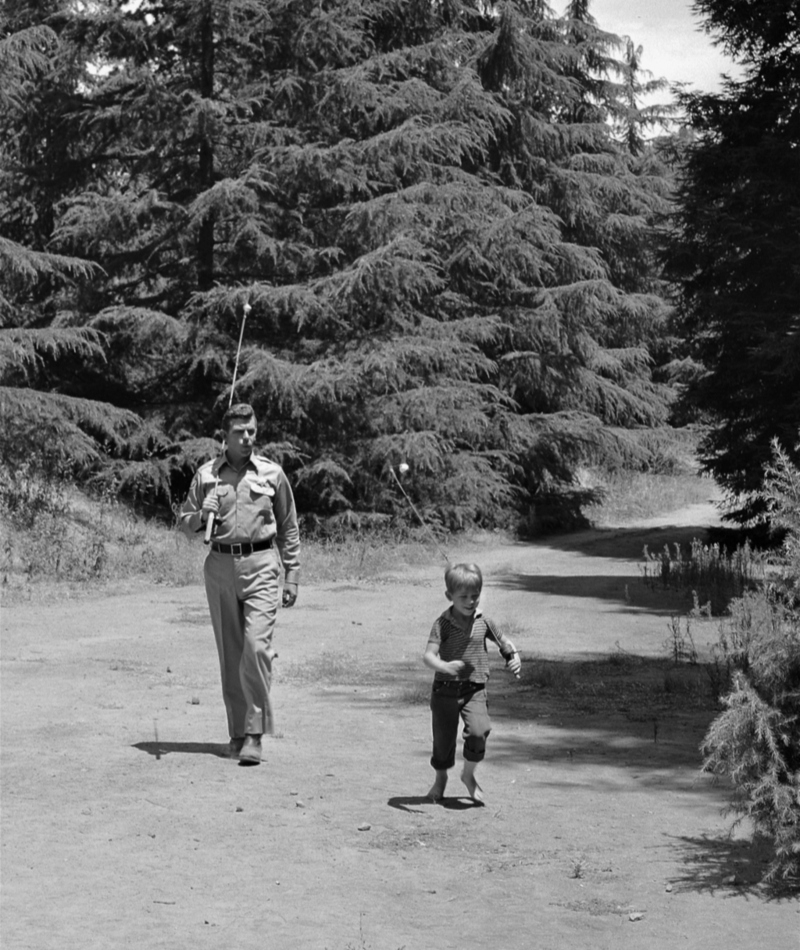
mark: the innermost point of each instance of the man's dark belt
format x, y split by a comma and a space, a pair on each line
241, 550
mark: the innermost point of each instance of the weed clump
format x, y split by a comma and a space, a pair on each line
714, 575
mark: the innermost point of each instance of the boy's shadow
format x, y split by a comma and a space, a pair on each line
158, 749
406, 803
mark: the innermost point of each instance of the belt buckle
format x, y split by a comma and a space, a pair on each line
236, 550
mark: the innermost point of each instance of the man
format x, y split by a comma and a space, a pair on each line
252, 507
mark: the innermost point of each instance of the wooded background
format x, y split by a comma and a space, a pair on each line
467, 244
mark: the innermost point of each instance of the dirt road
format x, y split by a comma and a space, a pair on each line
125, 824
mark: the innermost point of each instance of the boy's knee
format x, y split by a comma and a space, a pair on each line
474, 749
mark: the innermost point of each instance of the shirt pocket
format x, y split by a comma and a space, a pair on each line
226, 496
261, 495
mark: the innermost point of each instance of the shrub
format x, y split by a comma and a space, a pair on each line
755, 741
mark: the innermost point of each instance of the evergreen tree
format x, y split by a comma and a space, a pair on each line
755, 741
448, 251
736, 250
43, 431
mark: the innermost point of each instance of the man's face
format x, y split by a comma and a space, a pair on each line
240, 439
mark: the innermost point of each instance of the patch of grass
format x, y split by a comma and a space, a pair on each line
545, 674
622, 660
83, 543
358, 557
414, 695
637, 686
634, 496
328, 668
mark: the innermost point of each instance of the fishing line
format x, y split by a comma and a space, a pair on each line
422, 521
245, 310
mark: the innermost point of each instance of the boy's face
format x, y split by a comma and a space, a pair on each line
464, 601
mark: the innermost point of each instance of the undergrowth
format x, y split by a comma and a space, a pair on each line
755, 741
714, 575
54, 534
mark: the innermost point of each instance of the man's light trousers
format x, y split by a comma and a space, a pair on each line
243, 601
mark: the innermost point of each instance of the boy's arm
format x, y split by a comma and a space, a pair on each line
507, 649
432, 660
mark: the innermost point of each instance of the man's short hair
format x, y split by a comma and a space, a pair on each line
463, 577
238, 412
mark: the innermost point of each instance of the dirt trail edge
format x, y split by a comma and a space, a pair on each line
125, 824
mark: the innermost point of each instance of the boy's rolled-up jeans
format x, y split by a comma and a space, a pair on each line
451, 700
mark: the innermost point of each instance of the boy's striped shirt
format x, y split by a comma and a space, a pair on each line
456, 643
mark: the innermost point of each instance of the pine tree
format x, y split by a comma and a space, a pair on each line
43, 431
448, 251
755, 741
459, 304
737, 245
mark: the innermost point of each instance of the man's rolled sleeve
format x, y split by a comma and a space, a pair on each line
191, 520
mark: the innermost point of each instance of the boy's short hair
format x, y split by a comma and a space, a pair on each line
239, 411
463, 577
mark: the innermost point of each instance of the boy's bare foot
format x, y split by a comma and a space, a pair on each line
436, 791
475, 791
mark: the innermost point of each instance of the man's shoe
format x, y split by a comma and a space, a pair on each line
236, 744
251, 750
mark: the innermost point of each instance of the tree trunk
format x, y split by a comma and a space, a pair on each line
205, 240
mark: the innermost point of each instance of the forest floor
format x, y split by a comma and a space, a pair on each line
126, 824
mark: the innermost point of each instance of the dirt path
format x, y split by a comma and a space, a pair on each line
598, 831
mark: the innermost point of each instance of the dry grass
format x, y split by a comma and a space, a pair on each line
80, 544
714, 575
636, 496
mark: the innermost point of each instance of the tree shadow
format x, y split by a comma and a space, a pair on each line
632, 592
728, 867
629, 543
407, 802
642, 714
159, 749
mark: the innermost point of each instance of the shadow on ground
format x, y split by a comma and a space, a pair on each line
632, 592
413, 803
617, 711
629, 543
728, 867
159, 749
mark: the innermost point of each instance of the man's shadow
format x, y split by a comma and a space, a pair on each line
159, 749
407, 803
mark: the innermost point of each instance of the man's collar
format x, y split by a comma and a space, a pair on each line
223, 459
259, 463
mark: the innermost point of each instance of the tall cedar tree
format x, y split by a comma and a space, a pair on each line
738, 244
41, 428
448, 249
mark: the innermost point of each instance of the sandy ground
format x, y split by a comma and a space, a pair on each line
125, 823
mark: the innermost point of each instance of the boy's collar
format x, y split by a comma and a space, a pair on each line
454, 615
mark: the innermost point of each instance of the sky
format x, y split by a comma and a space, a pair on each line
675, 48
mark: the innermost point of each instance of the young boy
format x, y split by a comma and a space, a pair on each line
457, 653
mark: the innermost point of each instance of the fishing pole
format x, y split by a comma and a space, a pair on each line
245, 310
490, 627
403, 469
